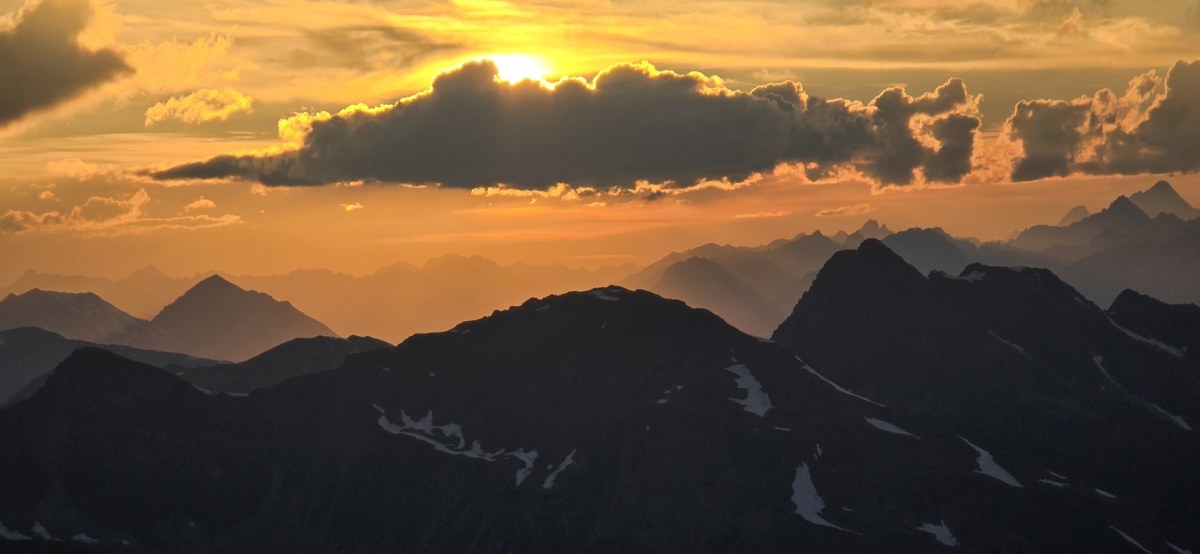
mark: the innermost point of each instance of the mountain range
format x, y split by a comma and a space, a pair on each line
393, 302
990, 410
1102, 253
214, 319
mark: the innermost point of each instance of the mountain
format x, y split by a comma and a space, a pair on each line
1121, 219
1162, 198
82, 316
290, 359
1018, 360
397, 301
1074, 215
28, 354
142, 293
930, 249
1177, 325
1163, 267
869, 230
751, 287
217, 319
602, 421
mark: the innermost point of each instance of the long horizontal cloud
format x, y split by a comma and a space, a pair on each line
107, 215
41, 62
1153, 127
631, 123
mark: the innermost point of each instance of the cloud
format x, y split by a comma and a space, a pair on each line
1153, 127
201, 203
762, 215
352, 207
107, 215
41, 62
856, 209
631, 123
201, 106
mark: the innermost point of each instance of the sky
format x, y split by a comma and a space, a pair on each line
268, 135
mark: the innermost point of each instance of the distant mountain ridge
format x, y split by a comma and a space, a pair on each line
296, 357
392, 302
28, 354
214, 319
218, 319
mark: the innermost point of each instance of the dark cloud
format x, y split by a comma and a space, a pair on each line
41, 62
1154, 127
631, 123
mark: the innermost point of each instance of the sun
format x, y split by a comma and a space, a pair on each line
518, 67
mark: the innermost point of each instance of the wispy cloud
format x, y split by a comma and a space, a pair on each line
856, 209
200, 107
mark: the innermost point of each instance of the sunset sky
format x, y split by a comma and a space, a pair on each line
264, 136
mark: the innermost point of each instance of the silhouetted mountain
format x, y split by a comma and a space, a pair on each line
1120, 220
1164, 267
930, 249
403, 299
1162, 198
1074, 215
142, 293
82, 316
1017, 359
606, 421
1177, 325
28, 354
869, 230
752, 288
290, 359
705, 283
218, 319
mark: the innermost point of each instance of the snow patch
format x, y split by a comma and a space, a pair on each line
989, 467
1130, 540
203, 390
1178, 420
756, 402
1152, 342
1063, 477
785, 429
238, 394
939, 532
549, 482
83, 538
888, 427
12, 535
603, 295
1014, 345
1053, 483
661, 401
41, 531
1177, 549
836, 387
543, 308
808, 503
452, 441
974, 276
1105, 493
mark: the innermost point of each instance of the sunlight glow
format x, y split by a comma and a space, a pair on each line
518, 67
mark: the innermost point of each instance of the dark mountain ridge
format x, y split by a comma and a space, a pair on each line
603, 421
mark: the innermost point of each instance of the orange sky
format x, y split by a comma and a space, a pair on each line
198, 80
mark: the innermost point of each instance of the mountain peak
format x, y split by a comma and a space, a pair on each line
1074, 215
216, 282
220, 320
1163, 198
